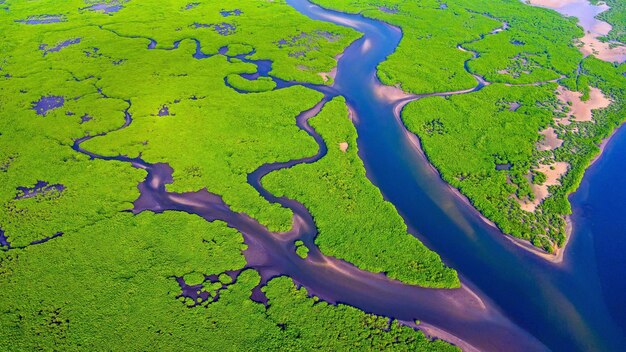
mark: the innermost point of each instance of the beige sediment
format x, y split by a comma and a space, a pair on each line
553, 173
326, 76
550, 140
392, 94
330, 75
559, 252
602, 50
367, 46
582, 111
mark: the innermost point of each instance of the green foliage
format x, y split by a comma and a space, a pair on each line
262, 84
355, 223
539, 178
465, 135
481, 132
109, 280
111, 285
616, 16
110, 64
537, 46
301, 249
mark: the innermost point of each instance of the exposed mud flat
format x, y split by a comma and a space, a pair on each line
329, 76
553, 173
550, 140
582, 111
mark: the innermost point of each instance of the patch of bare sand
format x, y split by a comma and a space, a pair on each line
343, 146
550, 140
611, 52
553, 177
582, 111
326, 76
391, 93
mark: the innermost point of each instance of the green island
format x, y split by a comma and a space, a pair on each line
301, 249
616, 16
353, 219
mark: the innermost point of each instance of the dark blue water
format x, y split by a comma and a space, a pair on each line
566, 306
599, 208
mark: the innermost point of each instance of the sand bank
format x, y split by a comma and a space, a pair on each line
582, 111
550, 140
553, 173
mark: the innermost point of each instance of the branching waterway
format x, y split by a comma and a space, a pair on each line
510, 299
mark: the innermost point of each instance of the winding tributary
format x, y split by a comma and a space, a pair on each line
511, 299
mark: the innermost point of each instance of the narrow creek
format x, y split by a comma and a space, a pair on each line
510, 300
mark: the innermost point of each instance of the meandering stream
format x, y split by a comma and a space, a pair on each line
511, 299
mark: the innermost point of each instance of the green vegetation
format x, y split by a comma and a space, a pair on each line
616, 16
355, 223
481, 131
113, 284
535, 47
474, 132
301, 249
110, 60
262, 84
466, 136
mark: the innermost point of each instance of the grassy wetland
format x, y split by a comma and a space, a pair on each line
353, 209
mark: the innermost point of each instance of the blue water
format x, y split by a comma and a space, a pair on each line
573, 306
600, 224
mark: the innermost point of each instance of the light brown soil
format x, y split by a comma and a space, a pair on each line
550, 140
582, 111
541, 191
